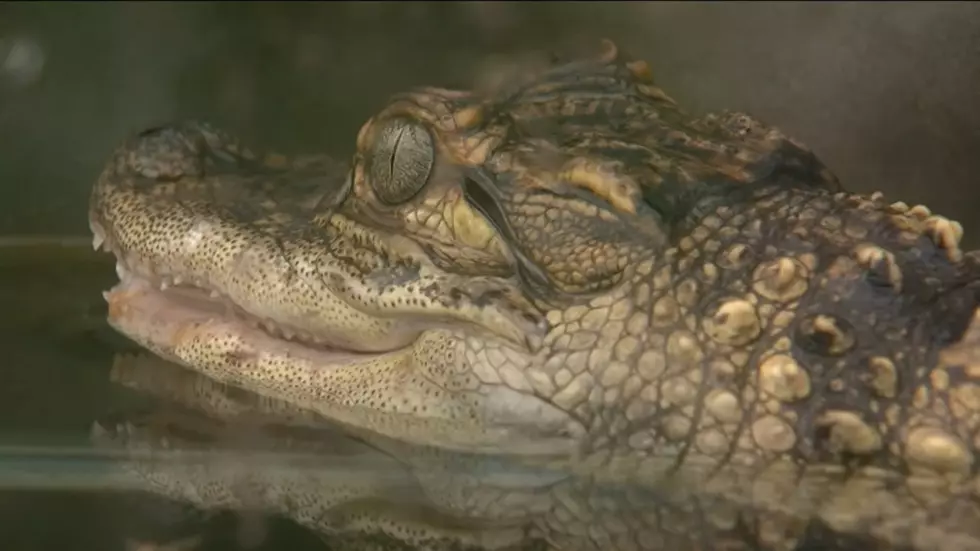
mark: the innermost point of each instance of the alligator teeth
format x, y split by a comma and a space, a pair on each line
122, 272
98, 235
230, 311
164, 284
214, 294
137, 265
178, 280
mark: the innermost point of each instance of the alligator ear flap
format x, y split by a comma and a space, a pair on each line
481, 194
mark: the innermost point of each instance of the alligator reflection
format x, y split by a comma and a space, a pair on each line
217, 447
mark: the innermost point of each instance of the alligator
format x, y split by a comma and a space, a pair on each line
570, 271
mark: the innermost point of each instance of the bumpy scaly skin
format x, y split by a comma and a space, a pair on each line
688, 306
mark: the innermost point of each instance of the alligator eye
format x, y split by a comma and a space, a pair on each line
401, 161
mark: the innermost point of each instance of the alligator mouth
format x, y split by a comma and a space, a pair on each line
160, 314
161, 311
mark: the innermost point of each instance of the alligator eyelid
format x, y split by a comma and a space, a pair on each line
480, 177
480, 192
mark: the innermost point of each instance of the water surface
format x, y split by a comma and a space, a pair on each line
55, 355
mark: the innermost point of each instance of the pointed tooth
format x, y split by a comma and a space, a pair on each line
97, 240
134, 261
164, 284
178, 280
121, 271
236, 313
105, 295
214, 294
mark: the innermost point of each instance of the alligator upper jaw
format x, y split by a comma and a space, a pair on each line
343, 286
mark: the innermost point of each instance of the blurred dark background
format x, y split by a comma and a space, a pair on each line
886, 93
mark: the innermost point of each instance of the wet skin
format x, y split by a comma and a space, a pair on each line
576, 274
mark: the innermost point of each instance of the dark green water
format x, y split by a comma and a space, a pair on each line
55, 355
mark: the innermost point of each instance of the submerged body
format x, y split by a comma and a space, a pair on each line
574, 273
